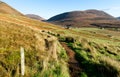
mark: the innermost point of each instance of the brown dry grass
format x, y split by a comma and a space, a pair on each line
44, 54
17, 31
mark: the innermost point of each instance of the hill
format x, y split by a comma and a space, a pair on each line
52, 51
118, 17
6, 9
33, 16
85, 19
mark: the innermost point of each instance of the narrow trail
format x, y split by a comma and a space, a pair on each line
73, 64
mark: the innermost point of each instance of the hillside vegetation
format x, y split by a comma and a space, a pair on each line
44, 56
96, 51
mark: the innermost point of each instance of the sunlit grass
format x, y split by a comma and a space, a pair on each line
45, 57
42, 58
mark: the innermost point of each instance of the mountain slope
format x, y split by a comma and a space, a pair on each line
83, 18
6, 9
118, 17
33, 16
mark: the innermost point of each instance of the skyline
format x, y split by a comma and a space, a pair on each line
47, 8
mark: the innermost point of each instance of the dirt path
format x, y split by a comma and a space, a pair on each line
73, 63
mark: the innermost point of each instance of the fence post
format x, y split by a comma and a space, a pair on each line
22, 61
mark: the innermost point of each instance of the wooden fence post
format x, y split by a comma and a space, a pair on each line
22, 61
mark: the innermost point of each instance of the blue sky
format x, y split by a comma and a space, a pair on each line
49, 8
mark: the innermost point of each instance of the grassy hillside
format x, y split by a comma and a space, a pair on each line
6, 9
96, 50
44, 56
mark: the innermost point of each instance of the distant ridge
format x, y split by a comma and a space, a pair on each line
118, 18
33, 16
84, 18
6, 9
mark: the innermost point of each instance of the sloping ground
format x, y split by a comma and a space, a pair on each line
44, 56
96, 49
96, 58
85, 19
6, 9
